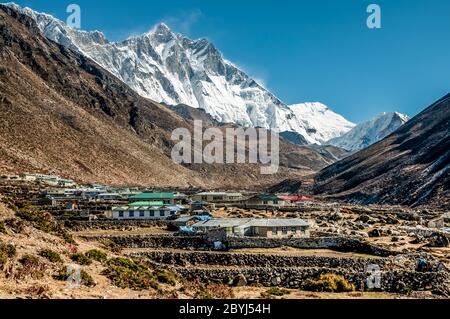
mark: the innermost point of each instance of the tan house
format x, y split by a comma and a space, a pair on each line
217, 197
249, 227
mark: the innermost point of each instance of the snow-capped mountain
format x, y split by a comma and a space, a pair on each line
370, 132
323, 123
171, 68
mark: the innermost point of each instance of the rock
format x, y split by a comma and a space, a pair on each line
336, 216
391, 221
438, 240
409, 216
375, 233
363, 218
395, 239
276, 281
239, 281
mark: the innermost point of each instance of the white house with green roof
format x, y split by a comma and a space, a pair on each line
167, 198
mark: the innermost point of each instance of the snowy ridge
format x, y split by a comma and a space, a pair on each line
323, 124
171, 68
370, 132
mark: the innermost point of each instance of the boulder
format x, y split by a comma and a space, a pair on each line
438, 240
375, 233
239, 281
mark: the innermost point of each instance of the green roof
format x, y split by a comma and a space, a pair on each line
150, 196
154, 203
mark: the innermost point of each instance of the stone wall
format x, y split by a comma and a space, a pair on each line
335, 243
153, 241
199, 242
113, 224
256, 260
294, 278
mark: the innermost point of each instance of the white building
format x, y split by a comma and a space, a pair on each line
141, 212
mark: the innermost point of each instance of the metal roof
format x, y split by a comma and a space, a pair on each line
250, 222
217, 194
149, 195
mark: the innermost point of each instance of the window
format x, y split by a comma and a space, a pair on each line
141, 214
152, 214
284, 230
162, 213
131, 214
274, 231
121, 214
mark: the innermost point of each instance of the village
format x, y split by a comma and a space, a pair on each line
205, 234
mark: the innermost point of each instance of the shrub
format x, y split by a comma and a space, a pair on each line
15, 224
9, 203
213, 291
97, 255
2, 227
6, 252
112, 246
10, 250
329, 283
51, 255
43, 221
31, 266
277, 292
85, 279
166, 277
127, 273
81, 259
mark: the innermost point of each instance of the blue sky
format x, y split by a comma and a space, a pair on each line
310, 50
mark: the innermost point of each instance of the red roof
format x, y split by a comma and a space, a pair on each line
296, 198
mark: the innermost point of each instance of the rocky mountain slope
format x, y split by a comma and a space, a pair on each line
171, 68
64, 114
368, 133
410, 166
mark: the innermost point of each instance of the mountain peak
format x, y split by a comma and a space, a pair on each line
370, 132
162, 27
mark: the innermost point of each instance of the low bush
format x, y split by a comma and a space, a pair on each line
6, 252
30, 266
81, 259
127, 273
214, 291
15, 224
97, 255
112, 246
43, 221
51, 255
166, 277
275, 291
64, 274
3, 227
329, 283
